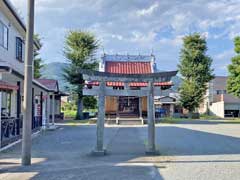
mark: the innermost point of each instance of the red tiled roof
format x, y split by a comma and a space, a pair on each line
49, 83
7, 86
128, 67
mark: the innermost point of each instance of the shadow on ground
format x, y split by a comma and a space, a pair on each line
65, 154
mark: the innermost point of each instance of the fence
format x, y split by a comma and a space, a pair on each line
11, 129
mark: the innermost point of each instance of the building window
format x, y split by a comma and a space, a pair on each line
3, 35
118, 88
218, 92
19, 49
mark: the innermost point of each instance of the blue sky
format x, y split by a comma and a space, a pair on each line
138, 26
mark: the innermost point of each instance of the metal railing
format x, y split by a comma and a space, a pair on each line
11, 128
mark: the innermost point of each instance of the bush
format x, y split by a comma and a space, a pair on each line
70, 114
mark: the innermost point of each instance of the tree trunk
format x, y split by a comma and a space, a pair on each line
79, 108
191, 114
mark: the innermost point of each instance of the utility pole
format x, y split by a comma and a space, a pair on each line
27, 104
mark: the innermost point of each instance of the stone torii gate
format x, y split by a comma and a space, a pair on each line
101, 91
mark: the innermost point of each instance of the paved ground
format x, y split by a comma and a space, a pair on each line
204, 151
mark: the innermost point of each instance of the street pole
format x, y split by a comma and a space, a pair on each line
27, 104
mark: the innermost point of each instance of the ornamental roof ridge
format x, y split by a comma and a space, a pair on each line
122, 58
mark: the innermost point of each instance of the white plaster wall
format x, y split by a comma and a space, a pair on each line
9, 55
56, 106
217, 109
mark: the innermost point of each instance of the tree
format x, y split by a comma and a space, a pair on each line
233, 82
80, 49
38, 62
89, 102
196, 71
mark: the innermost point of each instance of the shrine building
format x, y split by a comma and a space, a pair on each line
129, 106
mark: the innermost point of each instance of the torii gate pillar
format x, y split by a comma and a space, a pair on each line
151, 147
99, 149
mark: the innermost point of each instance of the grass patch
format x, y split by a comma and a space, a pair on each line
70, 114
231, 120
209, 117
178, 120
172, 120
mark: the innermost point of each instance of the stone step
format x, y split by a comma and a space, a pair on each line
125, 121
130, 122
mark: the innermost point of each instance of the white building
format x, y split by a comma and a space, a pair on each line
218, 102
12, 48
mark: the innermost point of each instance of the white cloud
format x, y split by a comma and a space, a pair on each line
138, 25
143, 39
148, 11
117, 36
205, 35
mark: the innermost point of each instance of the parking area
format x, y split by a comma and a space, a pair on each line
199, 150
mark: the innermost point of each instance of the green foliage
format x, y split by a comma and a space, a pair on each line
196, 71
69, 114
233, 83
209, 117
80, 49
190, 95
38, 62
89, 102
237, 44
69, 106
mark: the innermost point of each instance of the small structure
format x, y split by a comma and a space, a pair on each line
218, 102
167, 106
103, 90
55, 98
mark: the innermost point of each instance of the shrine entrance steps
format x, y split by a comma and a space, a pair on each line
125, 121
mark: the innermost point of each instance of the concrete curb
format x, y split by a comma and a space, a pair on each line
18, 141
